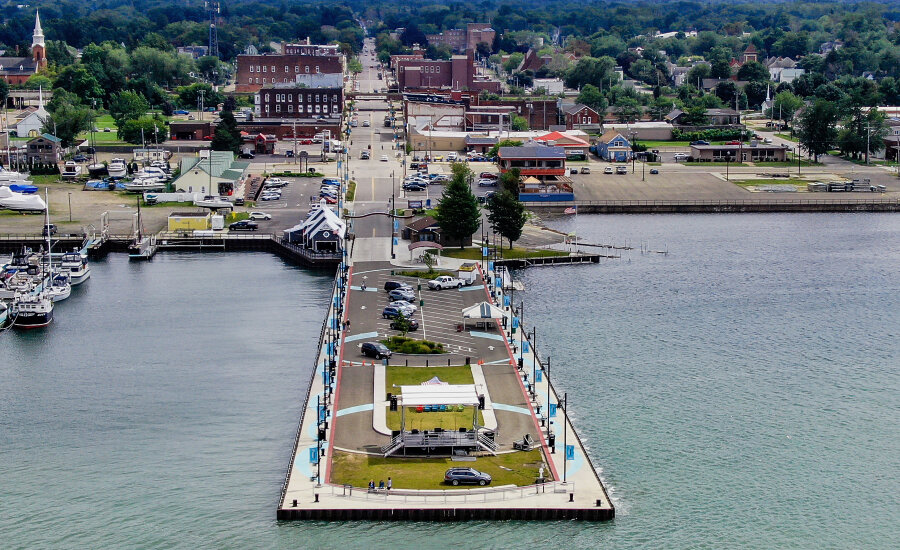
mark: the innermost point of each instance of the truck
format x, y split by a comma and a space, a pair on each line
445, 281
468, 272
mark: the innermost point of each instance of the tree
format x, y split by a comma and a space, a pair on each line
661, 106
816, 127
188, 95
695, 115
756, 93
227, 137
515, 59
354, 66
58, 53
507, 216
144, 129
598, 71
78, 80
401, 322
492, 152
38, 81
509, 181
4, 90
457, 211
127, 106
785, 105
590, 95
753, 71
67, 120
628, 110
519, 123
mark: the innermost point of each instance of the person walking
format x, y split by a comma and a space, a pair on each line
389, 484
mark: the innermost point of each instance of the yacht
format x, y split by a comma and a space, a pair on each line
21, 201
32, 311
117, 168
97, 170
211, 201
153, 172
71, 170
140, 185
76, 266
7, 176
58, 288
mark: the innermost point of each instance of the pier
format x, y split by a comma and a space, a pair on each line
790, 204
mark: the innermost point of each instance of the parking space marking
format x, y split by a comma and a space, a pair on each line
478, 334
465, 288
361, 336
502, 407
356, 409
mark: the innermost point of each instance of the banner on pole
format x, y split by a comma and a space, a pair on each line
313, 455
553, 409
570, 452
539, 376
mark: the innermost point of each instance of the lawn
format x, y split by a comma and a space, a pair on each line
425, 274
654, 144
787, 163
519, 468
788, 137
515, 253
714, 164
771, 181
412, 376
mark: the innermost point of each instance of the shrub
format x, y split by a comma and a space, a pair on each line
402, 344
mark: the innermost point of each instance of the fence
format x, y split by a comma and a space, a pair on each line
446, 496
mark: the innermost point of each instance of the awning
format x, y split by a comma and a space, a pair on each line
425, 244
484, 310
451, 394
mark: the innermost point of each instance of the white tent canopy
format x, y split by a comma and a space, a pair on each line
484, 310
438, 394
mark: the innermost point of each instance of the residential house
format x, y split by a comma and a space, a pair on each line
715, 117
45, 149
32, 123
193, 51
581, 116
532, 61
613, 146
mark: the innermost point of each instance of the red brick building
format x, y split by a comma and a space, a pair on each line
457, 73
17, 70
580, 116
256, 71
292, 102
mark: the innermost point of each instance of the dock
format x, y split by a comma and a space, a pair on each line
779, 204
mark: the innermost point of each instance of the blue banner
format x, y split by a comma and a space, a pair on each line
515, 322
490, 264
326, 377
552, 410
498, 282
396, 225
484, 251
313, 455
570, 452
396, 241
321, 413
539, 376
506, 301
525, 346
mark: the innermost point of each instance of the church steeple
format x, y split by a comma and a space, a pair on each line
38, 50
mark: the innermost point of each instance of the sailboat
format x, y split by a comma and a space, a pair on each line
143, 247
96, 169
56, 285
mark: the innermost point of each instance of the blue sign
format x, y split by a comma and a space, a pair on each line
525, 346
490, 264
326, 377
570, 452
428, 203
396, 225
539, 376
314, 455
321, 413
553, 409
515, 322
506, 301
498, 282
396, 241
484, 251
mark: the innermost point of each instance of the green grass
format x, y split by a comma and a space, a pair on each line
351, 191
413, 376
428, 275
474, 253
714, 164
403, 344
410, 376
862, 161
450, 420
788, 137
236, 216
654, 144
771, 181
45, 180
520, 468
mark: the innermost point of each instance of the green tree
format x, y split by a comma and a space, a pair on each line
4, 90
590, 95
492, 152
58, 53
457, 211
127, 106
753, 71
401, 322
816, 127
695, 115
67, 120
509, 181
354, 66
628, 110
661, 106
515, 59
785, 105
78, 80
154, 130
38, 81
519, 123
227, 137
188, 95
598, 71
507, 215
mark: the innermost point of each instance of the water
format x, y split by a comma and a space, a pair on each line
740, 392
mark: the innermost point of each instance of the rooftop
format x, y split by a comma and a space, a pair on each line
531, 152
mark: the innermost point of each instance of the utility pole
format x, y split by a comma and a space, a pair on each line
868, 139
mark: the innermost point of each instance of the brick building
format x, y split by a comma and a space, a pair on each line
479, 32
17, 70
455, 39
460, 40
292, 102
311, 49
257, 71
457, 73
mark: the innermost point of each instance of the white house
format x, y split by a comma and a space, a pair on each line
31, 125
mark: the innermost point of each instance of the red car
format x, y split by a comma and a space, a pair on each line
305, 141
733, 143
488, 176
329, 200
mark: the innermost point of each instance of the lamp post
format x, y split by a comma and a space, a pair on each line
564, 420
632, 134
70, 207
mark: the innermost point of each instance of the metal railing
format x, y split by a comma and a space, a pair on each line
446, 496
732, 202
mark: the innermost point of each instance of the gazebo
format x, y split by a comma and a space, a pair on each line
482, 312
424, 244
439, 441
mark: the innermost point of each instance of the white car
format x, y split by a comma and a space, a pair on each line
404, 305
680, 156
608, 170
260, 216
365, 124
384, 158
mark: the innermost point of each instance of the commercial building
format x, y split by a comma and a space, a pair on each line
255, 72
45, 148
288, 101
456, 73
460, 40
211, 173
752, 152
541, 161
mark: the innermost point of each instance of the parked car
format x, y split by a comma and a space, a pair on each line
488, 175
391, 312
180, 112
402, 294
455, 476
107, 130
394, 285
733, 142
329, 200
700, 142
608, 170
414, 186
413, 325
486, 197
438, 179
366, 124
767, 140
680, 157
487, 183
573, 170
384, 158
50, 229
80, 158
247, 156
375, 349
621, 169
654, 171
585, 170
270, 197
243, 225
260, 216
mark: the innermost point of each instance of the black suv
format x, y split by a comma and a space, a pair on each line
49, 230
376, 350
455, 476
243, 225
393, 285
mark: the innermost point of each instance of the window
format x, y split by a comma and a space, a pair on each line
334, 97
251, 68
287, 69
273, 68
318, 110
278, 108
290, 97
296, 68
264, 80
285, 81
264, 68
250, 80
317, 69
267, 97
317, 98
307, 68
257, 69
290, 108
257, 80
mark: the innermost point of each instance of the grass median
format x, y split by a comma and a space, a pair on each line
518, 468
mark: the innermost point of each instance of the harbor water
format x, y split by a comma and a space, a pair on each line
740, 391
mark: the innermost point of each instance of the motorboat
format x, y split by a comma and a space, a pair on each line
7, 176
71, 170
97, 170
31, 311
76, 266
211, 201
59, 288
24, 189
22, 202
140, 185
117, 168
152, 172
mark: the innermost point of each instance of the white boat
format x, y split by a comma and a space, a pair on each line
59, 288
97, 170
31, 311
7, 176
76, 266
20, 201
153, 172
141, 185
117, 168
71, 170
211, 201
